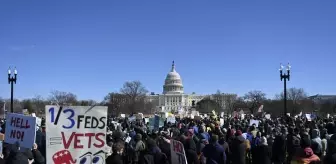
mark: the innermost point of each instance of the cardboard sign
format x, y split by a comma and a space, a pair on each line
21, 129
177, 152
76, 134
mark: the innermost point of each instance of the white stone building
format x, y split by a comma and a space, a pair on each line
173, 97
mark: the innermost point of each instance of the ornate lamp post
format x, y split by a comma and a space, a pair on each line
285, 77
12, 81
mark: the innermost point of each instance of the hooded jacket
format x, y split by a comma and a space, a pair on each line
238, 150
316, 142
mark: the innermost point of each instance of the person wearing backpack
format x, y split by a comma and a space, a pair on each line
139, 147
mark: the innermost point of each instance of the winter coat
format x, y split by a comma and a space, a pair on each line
279, 149
214, 154
238, 150
114, 159
261, 155
316, 142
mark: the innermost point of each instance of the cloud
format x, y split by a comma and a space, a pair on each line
21, 48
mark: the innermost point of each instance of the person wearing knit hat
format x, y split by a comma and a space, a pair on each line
214, 152
239, 133
261, 153
307, 156
238, 149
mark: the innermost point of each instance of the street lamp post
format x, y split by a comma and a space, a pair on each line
12, 81
285, 77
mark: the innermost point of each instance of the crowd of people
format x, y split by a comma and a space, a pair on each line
284, 140
271, 141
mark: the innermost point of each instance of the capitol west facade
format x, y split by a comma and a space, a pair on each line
173, 97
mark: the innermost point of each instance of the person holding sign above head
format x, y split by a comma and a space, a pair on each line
18, 156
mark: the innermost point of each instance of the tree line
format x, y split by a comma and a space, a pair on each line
132, 98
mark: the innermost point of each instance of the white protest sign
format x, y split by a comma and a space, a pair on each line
38, 121
308, 116
146, 120
76, 134
221, 120
177, 152
131, 119
171, 119
20, 128
256, 122
268, 116
122, 115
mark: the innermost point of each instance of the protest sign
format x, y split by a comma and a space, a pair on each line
268, 116
256, 122
21, 129
308, 116
38, 121
177, 152
132, 119
171, 119
146, 120
221, 120
155, 123
76, 134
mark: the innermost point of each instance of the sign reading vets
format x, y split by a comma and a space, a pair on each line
76, 134
21, 129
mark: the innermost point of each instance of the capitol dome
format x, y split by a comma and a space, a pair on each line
173, 83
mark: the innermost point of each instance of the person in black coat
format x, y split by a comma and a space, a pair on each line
191, 153
279, 149
116, 157
238, 149
261, 153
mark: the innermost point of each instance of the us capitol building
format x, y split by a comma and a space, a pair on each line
173, 97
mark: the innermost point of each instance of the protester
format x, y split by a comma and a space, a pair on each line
205, 141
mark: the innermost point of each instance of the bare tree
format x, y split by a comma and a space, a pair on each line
87, 102
116, 103
27, 104
230, 101
254, 99
135, 92
296, 98
63, 98
17, 106
39, 104
294, 94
